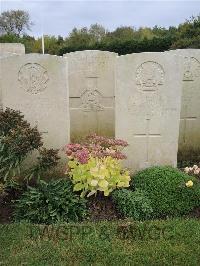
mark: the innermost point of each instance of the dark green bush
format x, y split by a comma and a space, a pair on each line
17, 135
49, 203
122, 47
132, 204
167, 190
17, 140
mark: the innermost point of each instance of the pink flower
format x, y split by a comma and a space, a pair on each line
82, 156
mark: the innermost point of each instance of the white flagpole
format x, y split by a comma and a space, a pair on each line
42, 20
42, 43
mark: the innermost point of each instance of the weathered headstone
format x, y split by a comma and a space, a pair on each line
37, 85
6, 50
12, 48
190, 108
148, 98
91, 92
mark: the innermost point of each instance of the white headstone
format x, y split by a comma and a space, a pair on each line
91, 92
12, 48
37, 85
148, 98
190, 108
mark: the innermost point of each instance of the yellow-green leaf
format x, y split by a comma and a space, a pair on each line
78, 187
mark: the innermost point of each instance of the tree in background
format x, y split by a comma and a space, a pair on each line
188, 34
121, 33
97, 31
122, 40
52, 44
79, 36
85, 36
15, 22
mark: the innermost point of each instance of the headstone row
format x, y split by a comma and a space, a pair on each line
152, 100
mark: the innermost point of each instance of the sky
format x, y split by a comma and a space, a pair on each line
60, 17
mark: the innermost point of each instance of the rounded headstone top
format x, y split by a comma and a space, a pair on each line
90, 53
12, 48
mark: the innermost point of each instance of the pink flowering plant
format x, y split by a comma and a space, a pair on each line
95, 165
98, 147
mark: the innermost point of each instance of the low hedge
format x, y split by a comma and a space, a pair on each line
167, 189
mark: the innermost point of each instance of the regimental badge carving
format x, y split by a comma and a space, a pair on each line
33, 78
91, 98
149, 75
91, 101
191, 69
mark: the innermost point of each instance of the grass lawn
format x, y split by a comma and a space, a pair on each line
171, 242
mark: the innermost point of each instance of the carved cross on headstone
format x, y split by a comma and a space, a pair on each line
186, 118
91, 99
147, 135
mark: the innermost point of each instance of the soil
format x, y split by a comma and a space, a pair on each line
102, 208
195, 213
6, 206
6, 211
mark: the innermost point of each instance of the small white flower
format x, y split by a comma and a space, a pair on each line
197, 171
186, 170
195, 167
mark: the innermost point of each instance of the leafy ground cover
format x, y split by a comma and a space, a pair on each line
169, 242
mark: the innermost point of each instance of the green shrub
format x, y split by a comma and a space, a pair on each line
50, 202
47, 159
17, 140
166, 188
132, 204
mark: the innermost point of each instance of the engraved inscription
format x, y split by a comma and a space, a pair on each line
91, 98
191, 69
149, 75
33, 78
